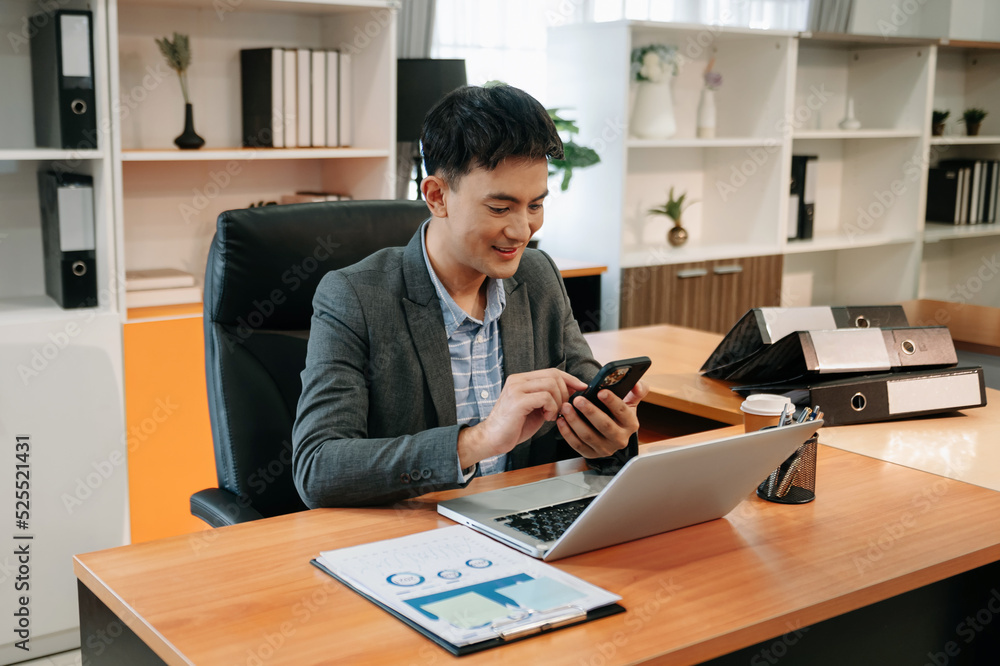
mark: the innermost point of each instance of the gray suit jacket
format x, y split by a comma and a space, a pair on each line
376, 419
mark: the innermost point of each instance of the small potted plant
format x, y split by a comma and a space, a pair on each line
653, 68
575, 156
973, 118
937, 121
673, 209
178, 56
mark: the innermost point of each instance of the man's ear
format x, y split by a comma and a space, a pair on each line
435, 191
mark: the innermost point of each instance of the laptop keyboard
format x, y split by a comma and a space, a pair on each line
547, 523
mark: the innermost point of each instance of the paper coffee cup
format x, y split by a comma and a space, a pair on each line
763, 409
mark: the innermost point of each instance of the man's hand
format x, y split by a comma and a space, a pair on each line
604, 434
526, 401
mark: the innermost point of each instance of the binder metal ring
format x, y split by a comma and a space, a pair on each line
79, 268
861, 322
908, 347
78, 106
859, 402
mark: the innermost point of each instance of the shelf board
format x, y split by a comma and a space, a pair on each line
965, 140
31, 309
284, 6
699, 28
163, 312
851, 40
689, 253
692, 142
225, 154
839, 242
935, 232
857, 134
49, 154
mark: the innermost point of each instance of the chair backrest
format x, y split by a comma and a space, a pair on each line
263, 267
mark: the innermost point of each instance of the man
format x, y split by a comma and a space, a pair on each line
455, 355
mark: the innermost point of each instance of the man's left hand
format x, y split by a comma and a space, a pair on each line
595, 434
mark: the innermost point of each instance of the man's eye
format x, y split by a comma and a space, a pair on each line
535, 207
496, 210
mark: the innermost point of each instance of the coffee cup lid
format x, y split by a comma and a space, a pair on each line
763, 404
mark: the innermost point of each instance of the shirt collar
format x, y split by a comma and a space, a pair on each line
454, 316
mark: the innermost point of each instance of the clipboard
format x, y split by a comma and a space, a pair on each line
465, 591
527, 628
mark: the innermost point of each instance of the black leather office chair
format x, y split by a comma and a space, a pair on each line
263, 268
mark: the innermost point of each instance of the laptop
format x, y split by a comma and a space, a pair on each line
657, 492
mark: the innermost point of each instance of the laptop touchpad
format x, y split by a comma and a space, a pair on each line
550, 491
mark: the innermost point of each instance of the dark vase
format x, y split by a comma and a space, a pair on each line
189, 139
937, 129
972, 129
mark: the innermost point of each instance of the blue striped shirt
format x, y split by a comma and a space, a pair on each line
476, 355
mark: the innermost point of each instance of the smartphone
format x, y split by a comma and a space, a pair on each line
618, 377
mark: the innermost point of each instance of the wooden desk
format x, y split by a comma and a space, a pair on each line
673, 379
238, 593
974, 328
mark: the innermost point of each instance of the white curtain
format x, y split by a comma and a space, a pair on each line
414, 31
760, 14
502, 39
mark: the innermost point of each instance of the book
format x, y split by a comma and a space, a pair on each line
803, 184
303, 108
318, 96
465, 591
311, 197
262, 92
942, 194
157, 278
153, 297
290, 102
344, 101
332, 98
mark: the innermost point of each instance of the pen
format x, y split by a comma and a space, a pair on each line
786, 416
806, 411
816, 414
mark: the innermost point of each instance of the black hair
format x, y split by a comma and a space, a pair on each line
482, 126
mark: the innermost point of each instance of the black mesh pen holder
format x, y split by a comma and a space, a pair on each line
794, 481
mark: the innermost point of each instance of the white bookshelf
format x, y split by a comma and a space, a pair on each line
170, 198
795, 110
224, 155
956, 258
62, 369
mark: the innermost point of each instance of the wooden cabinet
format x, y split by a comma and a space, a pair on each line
707, 295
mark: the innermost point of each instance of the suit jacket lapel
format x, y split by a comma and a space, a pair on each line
423, 317
517, 338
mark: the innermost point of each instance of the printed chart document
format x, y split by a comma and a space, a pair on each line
464, 590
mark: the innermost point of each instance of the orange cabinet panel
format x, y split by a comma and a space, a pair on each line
170, 452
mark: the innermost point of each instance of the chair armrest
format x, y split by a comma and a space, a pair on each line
219, 508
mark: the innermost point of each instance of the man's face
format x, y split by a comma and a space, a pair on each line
490, 216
